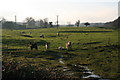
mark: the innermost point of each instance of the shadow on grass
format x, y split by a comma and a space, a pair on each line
54, 55
84, 31
10, 49
51, 36
50, 55
27, 36
23, 42
92, 43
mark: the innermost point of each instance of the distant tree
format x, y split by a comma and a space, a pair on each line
3, 20
77, 23
41, 23
86, 24
30, 22
45, 21
50, 24
8, 25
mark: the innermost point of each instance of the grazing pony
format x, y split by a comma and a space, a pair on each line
47, 45
58, 34
68, 45
22, 32
42, 36
61, 48
33, 45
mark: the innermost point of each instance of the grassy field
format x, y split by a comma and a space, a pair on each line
96, 48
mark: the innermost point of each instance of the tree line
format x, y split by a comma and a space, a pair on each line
30, 22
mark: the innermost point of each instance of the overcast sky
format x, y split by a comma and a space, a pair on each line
68, 10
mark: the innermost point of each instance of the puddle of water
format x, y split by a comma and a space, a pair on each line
65, 67
87, 73
70, 73
93, 76
60, 60
85, 67
104, 79
66, 70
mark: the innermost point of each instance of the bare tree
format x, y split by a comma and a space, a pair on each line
45, 22
77, 23
30, 22
40, 23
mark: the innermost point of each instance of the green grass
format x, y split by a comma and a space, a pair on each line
96, 47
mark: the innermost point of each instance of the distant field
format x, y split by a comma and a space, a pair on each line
96, 48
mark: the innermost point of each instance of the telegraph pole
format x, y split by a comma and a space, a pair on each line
15, 20
57, 21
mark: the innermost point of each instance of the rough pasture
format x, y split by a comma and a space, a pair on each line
96, 48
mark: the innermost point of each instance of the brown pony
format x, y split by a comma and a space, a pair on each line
68, 45
33, 45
